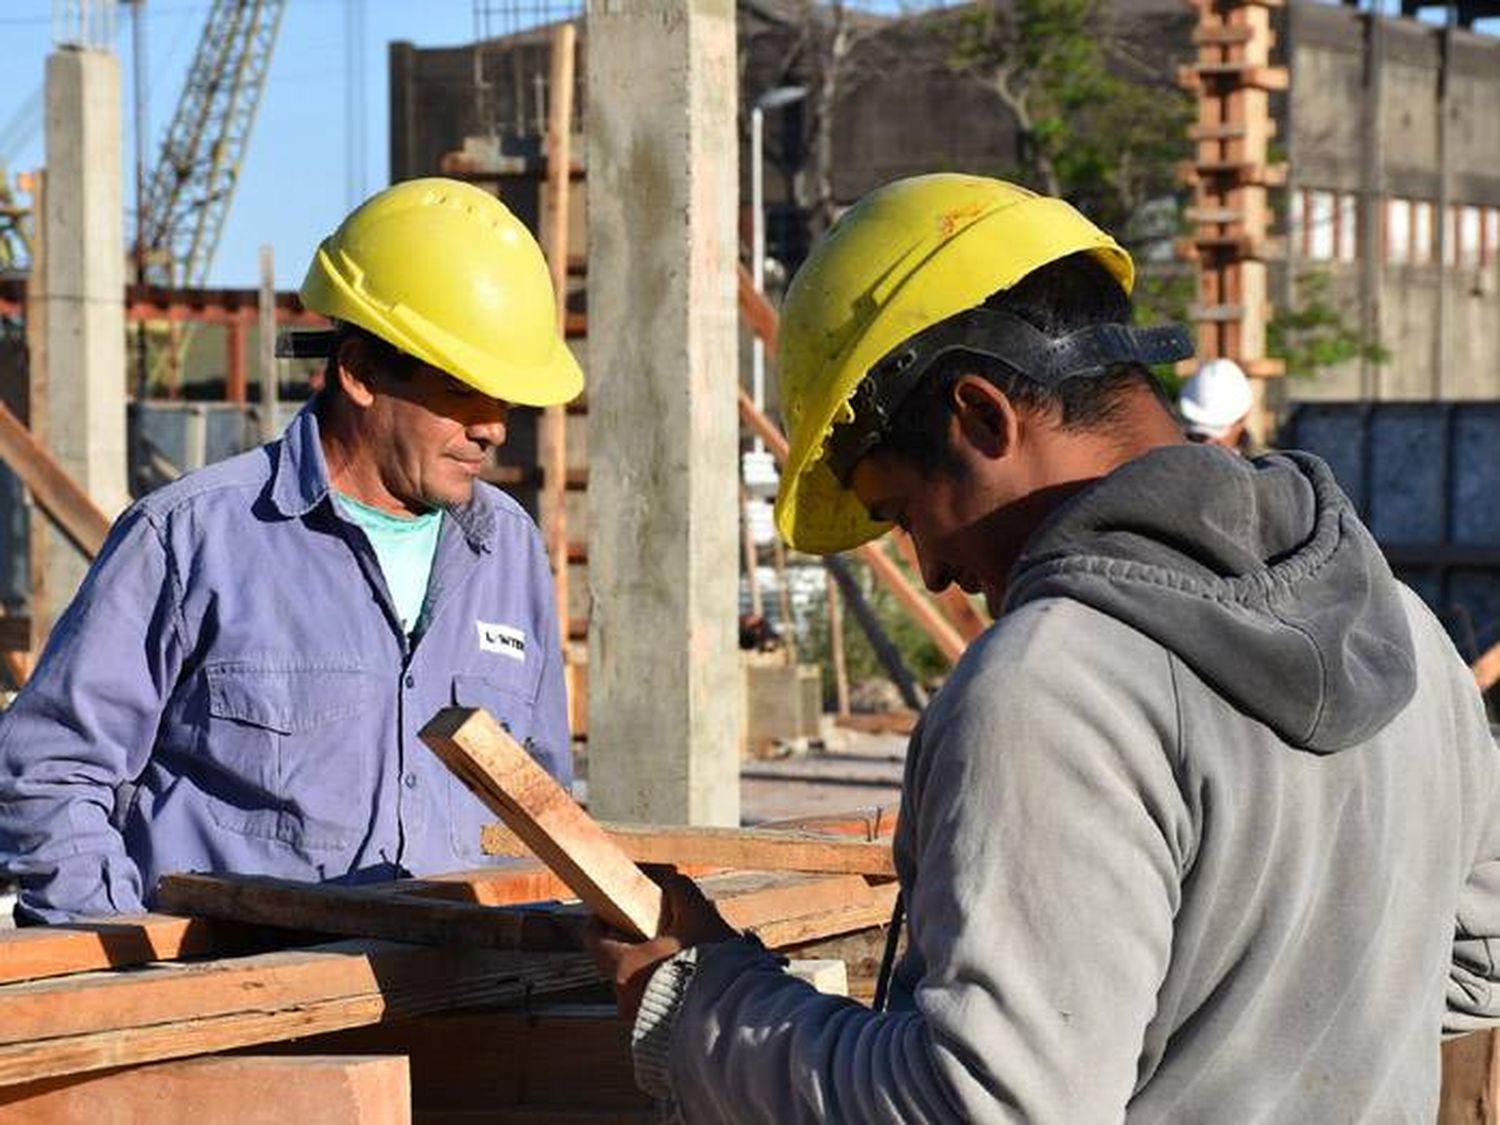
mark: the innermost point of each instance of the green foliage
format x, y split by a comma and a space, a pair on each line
1316, 335
1093, 124
922, 656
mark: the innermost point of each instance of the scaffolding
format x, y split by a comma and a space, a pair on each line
511, 83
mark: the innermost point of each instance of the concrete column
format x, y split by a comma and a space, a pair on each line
84, 291
666, 696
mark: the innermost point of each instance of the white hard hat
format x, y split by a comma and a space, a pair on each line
1215, 398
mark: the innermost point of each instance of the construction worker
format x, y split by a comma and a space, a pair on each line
1215, 405
1203, 828
239, 683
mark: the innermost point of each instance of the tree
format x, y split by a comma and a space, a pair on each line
1315, 335
1096, 122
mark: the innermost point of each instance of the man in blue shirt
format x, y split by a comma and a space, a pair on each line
239, 683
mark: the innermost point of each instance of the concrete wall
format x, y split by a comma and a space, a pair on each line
1441, 323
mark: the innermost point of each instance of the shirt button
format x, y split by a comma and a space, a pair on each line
410, 780
411, 681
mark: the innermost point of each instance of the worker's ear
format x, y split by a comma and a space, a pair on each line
356, 371
987, 421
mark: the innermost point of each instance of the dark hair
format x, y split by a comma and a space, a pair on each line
1071, 293
385, 357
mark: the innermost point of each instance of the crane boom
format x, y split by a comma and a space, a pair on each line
192, 184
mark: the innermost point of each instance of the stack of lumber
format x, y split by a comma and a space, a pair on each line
449, 998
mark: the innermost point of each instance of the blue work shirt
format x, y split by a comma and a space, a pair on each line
231, 690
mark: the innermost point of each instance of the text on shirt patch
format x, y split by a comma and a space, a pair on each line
503, 639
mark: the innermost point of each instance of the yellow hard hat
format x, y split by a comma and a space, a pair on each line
907, 256
443, 271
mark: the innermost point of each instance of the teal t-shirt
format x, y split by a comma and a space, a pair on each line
405, 546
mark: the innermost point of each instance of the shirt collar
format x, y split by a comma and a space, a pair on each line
300, 481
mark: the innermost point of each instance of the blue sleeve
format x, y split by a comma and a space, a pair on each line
552, 738
85, 724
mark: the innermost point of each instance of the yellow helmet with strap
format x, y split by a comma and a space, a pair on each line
443, 271
905, 258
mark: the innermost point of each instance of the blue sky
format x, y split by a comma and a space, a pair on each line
295, 181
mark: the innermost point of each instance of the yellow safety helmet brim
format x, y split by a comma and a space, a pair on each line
443, 271
905, 257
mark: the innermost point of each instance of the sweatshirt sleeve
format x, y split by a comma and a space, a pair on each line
1048, 836
84, 724
1473, 995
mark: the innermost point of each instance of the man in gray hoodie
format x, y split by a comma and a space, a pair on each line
1204, 828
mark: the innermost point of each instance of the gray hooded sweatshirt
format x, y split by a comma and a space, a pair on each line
1203, 829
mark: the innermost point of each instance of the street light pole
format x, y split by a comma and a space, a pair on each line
757, 256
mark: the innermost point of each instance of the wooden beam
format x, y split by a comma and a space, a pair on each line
745, 848
780, 907
68, 505
116, 943
758, 312
246, 1090
508, 1067
1487, 669
80, 1024
361, 912
510, 783
552, 448
846, 918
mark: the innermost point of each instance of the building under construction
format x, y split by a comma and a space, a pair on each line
466, 995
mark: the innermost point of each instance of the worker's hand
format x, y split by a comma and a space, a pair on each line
687, 919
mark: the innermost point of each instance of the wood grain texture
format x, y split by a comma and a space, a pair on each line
357, 912
746, 848
564, 837
249, 1090
98, 1021
116, 943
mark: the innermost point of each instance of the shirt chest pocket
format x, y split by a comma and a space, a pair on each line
511, 703
287, 753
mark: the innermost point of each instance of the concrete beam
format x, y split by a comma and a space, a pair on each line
666, 696
83, 230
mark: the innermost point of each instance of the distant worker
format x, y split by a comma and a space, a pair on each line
239, 683
1215, 405
1205, 827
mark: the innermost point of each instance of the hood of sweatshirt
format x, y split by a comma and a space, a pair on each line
1257, 574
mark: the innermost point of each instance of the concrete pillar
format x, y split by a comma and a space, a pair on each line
83, 219
666, 694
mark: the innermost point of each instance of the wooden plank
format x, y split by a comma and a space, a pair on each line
247, 1090
511, 885
552, 447
783, 933
36, 952
752, 899
872, 823
1487, 668
357, 912
564, 837
496, 1066
68, 505
755, 849
95, 1022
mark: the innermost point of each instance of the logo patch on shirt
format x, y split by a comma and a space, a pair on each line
503, 639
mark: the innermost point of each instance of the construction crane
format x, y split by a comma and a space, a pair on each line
190, 188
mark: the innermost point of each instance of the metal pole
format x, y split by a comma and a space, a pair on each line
138, 82
757, 257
